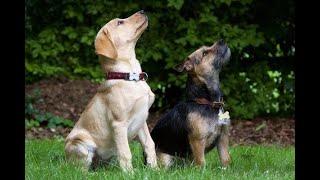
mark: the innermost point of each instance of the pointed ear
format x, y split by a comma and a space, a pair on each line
187, 65
104, 45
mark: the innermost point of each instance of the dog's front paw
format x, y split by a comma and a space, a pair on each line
153, 164
226, 161
150, 159
127, 169
126, 166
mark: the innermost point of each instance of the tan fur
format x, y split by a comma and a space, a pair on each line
104, 45
198, 125
118, 111
202, 135
203, 66
206, 62
197, 137
223, 146
197, 148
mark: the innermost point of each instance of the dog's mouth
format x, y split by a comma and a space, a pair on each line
142, 24
225, 53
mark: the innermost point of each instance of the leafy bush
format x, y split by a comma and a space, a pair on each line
59, 41
34, 118
259, 90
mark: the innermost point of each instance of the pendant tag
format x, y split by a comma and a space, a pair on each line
223, 118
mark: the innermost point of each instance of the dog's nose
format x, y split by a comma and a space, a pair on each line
221, 41
141, 12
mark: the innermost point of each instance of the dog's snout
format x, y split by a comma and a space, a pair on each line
141, 12
221, 42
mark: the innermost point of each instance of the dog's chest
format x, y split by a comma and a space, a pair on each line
136, 101
139, 114
136, 122
213, 133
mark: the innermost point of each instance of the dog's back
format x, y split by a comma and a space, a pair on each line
170, 135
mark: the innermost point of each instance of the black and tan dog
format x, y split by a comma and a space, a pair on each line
194, 127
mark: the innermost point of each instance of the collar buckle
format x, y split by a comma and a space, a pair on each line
218, 104
134, 76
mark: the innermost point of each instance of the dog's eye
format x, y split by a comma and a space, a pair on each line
120, 22
204, 53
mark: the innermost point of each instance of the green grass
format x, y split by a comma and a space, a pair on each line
45, 160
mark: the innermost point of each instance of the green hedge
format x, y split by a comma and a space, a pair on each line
258, 81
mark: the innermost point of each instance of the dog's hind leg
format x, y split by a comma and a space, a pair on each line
223, 145
80, 152
148, 146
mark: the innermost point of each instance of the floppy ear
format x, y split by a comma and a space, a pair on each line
104, 46
186, 65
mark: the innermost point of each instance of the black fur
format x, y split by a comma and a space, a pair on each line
195, 91
171, 133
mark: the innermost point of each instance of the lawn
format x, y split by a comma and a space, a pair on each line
45, 160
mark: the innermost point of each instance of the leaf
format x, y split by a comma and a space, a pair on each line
263, 125
175, 3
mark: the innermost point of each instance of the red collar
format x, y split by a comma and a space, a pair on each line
127, 76
214, 104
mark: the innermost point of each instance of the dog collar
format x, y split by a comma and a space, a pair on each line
223, 117
214, 104
127, 76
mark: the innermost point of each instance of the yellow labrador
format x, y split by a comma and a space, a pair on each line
118, 111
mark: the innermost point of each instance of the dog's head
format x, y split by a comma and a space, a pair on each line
119, 36
206, 60
204, 65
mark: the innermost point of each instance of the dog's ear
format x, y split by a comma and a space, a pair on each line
104, 45
187, 65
